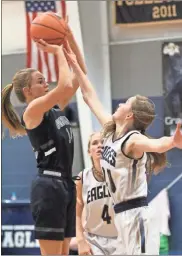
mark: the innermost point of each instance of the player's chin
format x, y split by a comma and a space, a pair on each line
114, 116
98, 155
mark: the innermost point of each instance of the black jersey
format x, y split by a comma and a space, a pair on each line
52, 142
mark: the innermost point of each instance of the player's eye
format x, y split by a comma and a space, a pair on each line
41, 81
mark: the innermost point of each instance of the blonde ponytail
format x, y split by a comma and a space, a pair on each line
9, 117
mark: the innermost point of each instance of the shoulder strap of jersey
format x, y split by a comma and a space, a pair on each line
127, 136
82, 176
22, 121
83, 173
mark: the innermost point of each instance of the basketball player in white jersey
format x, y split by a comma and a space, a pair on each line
126, 154
95, 229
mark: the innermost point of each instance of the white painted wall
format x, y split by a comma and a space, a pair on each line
136, 69
83, 110
13, 27
93, 16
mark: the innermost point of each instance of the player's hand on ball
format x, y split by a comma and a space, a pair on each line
69, 54
50, 48
69, 31
177, 137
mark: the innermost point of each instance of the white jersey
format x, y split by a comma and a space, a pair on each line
125, 177
98, 209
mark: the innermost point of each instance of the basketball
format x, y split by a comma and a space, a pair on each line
50, 27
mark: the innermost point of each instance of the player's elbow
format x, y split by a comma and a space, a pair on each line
65, 82
63, 89
85, 98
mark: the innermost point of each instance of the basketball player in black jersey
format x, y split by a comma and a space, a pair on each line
53, 195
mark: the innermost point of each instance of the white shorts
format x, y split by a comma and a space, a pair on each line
101, 245
135, 236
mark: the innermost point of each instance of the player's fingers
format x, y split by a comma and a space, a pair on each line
42, 42
66, 53
91, 252
67, 19
64, 43
84, 253
178, 126
42, 48
67, 46
39, 46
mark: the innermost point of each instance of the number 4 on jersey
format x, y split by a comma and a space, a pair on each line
105, 214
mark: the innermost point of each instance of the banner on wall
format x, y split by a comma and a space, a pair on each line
172, 85
17, 230
139, 12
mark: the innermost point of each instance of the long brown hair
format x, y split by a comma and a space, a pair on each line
9, 117
144, 113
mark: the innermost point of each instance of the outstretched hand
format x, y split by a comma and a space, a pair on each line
177, 137
44, 46
69, 54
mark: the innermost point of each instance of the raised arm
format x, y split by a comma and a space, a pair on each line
36, 109
83, 246
138, 143
74, 81
76, 50
89, 93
